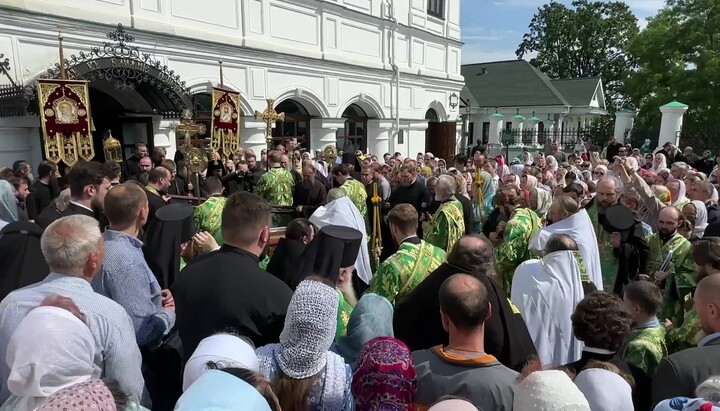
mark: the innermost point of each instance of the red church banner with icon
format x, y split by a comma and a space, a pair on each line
65, 117
225, 133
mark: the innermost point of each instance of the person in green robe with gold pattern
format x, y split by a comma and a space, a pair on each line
706, 257
447, 225
415, 259
679, 276
355, 190
208, 215
276, 186
645, 347
512, 239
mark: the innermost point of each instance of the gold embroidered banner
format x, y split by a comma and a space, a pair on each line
65, 117
225, 133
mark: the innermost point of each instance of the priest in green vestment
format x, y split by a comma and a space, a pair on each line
645, 347
512, 240
669, 248
208, 215
447, 225
276, 186
415, 259
354, 189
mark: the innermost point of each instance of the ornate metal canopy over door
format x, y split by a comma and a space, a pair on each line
15, 99
128, 70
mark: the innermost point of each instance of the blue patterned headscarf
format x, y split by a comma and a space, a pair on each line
372, 317
687, 404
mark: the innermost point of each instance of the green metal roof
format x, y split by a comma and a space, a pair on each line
519, 117
675, 104
534, 118
513, 83
516, 83
497, 115
577, 91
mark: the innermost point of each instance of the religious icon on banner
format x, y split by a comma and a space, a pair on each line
65, 118
225, 133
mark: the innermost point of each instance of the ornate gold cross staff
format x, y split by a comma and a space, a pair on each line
269, 116
195, 158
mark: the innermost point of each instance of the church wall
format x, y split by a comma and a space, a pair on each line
258, 60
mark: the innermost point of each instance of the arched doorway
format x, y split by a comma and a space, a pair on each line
296, 124
440, 136
354, 136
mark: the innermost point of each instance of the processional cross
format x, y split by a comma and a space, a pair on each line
188, 126
269, 116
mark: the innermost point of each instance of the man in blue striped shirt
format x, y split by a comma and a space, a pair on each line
74, 249
125, 276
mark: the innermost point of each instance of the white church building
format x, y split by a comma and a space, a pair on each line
376, 75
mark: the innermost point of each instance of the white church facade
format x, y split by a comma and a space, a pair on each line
376, 75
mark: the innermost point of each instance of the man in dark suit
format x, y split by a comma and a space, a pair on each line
158, 184
680, 373
131, 166
89, 182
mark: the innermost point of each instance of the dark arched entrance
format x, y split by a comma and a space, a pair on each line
129, 90
440, 136
354, 136
296, 124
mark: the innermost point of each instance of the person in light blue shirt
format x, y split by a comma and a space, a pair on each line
73, 248
125, 276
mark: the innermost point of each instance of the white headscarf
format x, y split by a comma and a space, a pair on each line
226, 349
550, 390
682, 191
546, 292
605, 390
701, 218
579, 227
344, 213
661, 166
8, 203
453, 405
50, 350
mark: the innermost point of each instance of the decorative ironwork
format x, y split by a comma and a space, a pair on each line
15, 99
121, 63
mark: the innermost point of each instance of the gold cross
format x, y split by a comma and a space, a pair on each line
188, 126
269, 116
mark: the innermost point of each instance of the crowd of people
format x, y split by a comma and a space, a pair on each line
551, 281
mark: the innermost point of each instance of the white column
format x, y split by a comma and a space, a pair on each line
671, 122
624, 120
323, 132
164, 136
378, 134
532, 125
517, 125
548, 127
496, 127
252, 135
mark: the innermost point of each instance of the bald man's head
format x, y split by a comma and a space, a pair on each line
464, 301
560, 242
668, 221
126, 204
707, 301
474, 253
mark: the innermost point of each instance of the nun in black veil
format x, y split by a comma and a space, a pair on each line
172, 227
22, 260
332, 255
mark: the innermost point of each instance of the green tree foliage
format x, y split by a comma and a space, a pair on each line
678, 55
588, 40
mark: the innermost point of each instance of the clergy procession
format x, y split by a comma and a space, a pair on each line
299, 280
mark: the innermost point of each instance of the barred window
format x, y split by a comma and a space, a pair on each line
436, 8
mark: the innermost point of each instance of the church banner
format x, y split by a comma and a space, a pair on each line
225, 133
65, 117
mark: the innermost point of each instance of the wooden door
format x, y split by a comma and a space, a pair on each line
441, 138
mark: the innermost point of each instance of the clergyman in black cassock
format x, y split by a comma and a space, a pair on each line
285, 262
417, 320
172, 226
227, 289
22, 260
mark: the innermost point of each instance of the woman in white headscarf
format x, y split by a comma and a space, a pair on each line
696, 211
605, 390
546, 292
659, 163
51, 349
678, 199
550, 390
304, 373
540, 201
225, 351
8, 204
341, 211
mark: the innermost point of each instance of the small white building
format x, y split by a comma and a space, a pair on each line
376, 75
515, 97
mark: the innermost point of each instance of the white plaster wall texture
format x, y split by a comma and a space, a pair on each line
325, 55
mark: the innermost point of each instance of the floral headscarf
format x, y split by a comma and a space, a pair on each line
92, 395
687, 404
384, 377
663, 194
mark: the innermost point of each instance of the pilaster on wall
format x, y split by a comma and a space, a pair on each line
252, 135
323, 132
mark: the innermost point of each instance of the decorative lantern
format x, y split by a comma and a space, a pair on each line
112, 149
